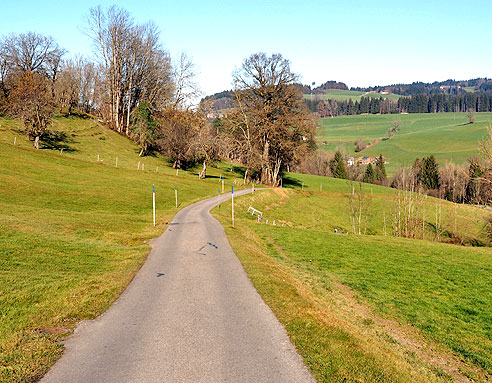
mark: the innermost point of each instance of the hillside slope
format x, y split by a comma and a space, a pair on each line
74, 232
370, 307
446, 135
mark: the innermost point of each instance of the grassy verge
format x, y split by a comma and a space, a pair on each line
367, 308
73, 234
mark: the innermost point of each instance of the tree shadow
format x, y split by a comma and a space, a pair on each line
57, 141
76, 114
290, 182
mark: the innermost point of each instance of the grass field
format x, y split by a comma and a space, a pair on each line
340, 95
74, 232
446, 135
368, 308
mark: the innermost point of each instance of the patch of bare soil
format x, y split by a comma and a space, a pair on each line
53, 330
283, 199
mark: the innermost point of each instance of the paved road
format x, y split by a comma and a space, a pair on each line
190, 315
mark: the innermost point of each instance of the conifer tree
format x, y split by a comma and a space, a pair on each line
337, 166
369, 175
380, 169
430, 173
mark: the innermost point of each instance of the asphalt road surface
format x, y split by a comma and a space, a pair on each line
189, 315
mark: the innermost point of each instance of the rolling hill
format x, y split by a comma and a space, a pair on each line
448, 136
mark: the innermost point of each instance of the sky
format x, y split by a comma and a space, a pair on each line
361, 43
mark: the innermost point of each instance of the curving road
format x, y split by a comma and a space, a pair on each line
189, 315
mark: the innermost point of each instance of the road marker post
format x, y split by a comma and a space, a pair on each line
233, 206
218, 199
15, 140
98, 158
153, 200
176, 195
253, 190
116, 161
222, 184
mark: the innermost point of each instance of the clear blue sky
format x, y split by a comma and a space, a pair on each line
361, 43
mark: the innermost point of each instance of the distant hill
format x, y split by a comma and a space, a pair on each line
330, 85
437, 87
217, 102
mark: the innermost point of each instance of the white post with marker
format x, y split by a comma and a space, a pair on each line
153, 200
176, 195
218, 198
232, 206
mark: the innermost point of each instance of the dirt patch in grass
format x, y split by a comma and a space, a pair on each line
54, 330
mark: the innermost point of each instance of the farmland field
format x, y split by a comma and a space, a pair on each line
340, 95
372, 308
446, 135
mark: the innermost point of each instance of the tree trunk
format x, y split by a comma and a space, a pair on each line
128, 110
36, 142
203, 173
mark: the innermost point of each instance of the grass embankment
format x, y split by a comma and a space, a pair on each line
368, 308
446, 135
74, 233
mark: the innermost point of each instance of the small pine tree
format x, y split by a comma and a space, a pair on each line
380, 169
334, 162
340, 171
430, 173
369, 175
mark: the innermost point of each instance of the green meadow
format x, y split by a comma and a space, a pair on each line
74, 232
372, 308
345, 95
448, 136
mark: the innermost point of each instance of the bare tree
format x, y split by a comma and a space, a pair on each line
271, 125
359, 207
32, 52
31, 101
186, 89
177, 130
205, 143
135, 66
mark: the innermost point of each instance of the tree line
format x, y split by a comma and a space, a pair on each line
420, 103
437, 87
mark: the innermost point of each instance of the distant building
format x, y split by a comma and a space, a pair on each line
350, 161
216, 115
364, 160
